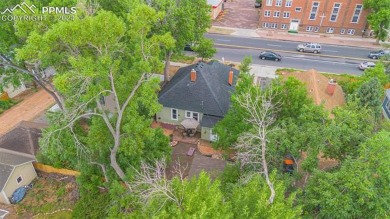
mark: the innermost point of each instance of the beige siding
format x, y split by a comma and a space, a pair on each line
205, 134
3, 198
26, 171
164, 116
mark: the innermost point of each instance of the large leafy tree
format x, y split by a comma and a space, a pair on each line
359, 188
379, 17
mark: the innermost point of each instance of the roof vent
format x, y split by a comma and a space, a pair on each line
193, 75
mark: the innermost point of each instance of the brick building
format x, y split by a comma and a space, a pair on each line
318, 16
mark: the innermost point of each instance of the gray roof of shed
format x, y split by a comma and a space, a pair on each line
209, 94
8, 161
388, 93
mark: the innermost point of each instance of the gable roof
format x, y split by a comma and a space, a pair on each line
8, 161
209, 94
23, 138
316, 86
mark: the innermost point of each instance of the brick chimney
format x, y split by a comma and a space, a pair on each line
230, 79
331, 87
193, 75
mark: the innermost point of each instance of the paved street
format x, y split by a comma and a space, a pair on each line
27, 110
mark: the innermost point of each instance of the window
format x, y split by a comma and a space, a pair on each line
19, 179
190, 114
316, 29
329, 30
268, 3
265, 25
288, 3
314, 9
213, 135
286, 14
309, 28
356, 15
267, 13
299, 9
274, 26
174, 115
342, 31
276, 13
283, 26
351, 31
278, 3
335, 12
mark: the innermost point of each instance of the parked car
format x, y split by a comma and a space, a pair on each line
269, 55
258, 4
365, 65
309, 47
378, 54
190, 46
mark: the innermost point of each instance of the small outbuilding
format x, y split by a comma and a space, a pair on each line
386, 105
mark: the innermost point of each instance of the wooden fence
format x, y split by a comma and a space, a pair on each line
50, 169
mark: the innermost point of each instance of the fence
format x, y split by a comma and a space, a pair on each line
50, 169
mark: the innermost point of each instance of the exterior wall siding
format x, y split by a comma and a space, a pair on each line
3, 198
322, 20
205, 133
28, 174
164, 116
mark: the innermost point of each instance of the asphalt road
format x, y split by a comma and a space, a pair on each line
287, 46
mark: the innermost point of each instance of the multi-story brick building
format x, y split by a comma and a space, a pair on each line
318, 16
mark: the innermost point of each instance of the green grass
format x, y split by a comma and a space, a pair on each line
65, 214
6, 104
182, 58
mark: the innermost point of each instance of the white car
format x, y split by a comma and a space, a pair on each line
365, 65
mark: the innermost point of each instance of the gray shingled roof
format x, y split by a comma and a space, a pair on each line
209, 94
9, 160
209, 121
388, 93
24, 138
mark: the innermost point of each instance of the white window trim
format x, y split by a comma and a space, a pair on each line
309, 28
268, 3
337, 14
358, 18
300, 9
283, 26
316, 29
288, 5
269, 13
20, 180
177, 114
191, 114
342, 31
286, 12
265, 25
351, 31
278, 12
274, 26
278, 1
330, 28
311, 11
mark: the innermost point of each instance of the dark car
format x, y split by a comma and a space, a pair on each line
190, 46
378, 54
258, 4
270, 56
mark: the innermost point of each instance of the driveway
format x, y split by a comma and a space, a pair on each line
238, 14
29, 109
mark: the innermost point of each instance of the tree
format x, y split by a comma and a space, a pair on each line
369, 94
205, 48
355, 190
379, 17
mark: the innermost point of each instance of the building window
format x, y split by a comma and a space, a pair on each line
19, 179
335, 12
283, 26
194, 115
299, 9
286, 14
288, 3
342, 31
351, 31
265, 25
316, 29
356, 15
278, 3
309, 28
268, 3
274, 26
314, 9
174, 115
276, 13
267, 13
329, 30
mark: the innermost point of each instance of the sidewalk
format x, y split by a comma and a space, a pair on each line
298, 37
27, 110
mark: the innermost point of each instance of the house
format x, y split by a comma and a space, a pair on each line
216, 8
320, 88
319, 16
17, 154
200, 92
386, 105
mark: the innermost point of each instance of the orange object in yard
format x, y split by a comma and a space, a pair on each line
288, 161
4, 96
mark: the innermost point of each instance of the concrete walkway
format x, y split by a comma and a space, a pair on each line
27, 110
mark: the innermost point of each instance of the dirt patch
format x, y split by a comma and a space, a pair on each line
50, 192
218, 30
25, 94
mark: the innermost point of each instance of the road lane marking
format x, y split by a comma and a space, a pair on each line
223, 40
274, 45
324, 61
329, 50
